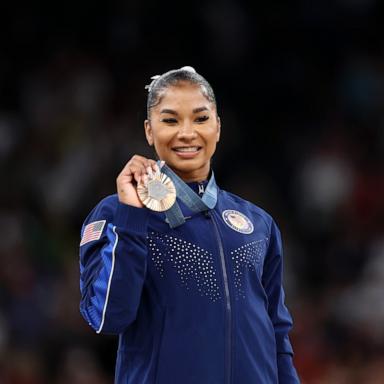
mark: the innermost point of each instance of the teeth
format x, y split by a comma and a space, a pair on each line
187, 149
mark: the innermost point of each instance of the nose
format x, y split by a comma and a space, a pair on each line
187, 131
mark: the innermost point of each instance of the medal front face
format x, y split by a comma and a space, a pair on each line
157, 190
159, 193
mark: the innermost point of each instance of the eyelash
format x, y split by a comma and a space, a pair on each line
200, 120
169, 121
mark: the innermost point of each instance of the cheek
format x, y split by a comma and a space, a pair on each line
161, 142
161, 136
212, 139
212, 147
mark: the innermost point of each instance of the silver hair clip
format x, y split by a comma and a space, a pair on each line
149, 86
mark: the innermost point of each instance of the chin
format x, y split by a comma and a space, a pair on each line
185, 166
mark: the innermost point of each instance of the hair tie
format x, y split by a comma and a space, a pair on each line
187, 68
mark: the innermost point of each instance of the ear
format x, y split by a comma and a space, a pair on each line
148, 132
218, 129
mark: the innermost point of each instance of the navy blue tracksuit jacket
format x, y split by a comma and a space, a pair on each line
199, 304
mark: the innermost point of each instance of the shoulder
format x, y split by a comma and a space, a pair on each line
104, 209
248, 206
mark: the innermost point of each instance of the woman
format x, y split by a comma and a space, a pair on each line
194, 292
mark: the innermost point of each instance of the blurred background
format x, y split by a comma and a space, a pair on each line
300, 89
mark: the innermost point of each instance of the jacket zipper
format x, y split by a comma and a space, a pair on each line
201, 188
227, 297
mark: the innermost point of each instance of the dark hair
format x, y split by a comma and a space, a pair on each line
160, 83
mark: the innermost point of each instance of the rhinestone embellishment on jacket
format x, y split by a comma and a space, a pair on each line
193, 264
248, 256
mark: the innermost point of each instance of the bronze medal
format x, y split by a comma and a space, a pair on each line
159, 193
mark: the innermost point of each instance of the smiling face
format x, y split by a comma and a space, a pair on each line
184, 129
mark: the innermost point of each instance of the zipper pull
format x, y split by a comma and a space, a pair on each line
201, 189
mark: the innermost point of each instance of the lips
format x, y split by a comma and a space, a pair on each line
190, 149
187, 152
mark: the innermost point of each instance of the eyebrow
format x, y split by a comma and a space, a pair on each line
172, 112
200, 109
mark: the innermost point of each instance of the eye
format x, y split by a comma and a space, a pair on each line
169, 120
202, 119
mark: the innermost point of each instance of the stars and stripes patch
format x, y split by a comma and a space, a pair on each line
92, 232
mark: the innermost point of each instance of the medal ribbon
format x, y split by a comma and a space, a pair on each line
189, 197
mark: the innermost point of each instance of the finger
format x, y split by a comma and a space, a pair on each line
139, 169
121, 181
143, 160
145, 164
137, 175
154, 166
135, 161
150, 171
144, 180
137, 164
127, 173
151, 162
159, 166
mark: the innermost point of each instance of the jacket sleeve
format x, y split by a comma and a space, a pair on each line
278, 312
113, 265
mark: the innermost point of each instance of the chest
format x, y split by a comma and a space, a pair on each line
197, 257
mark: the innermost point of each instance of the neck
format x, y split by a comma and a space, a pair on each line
196, 176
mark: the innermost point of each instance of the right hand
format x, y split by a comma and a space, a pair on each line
132, 174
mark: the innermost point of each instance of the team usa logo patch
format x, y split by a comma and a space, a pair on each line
237, 221
92, 231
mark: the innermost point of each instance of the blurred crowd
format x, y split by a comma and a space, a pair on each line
300, 92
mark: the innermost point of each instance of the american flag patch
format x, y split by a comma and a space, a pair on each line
92, 231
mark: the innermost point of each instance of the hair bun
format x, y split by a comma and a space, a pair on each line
188, 68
